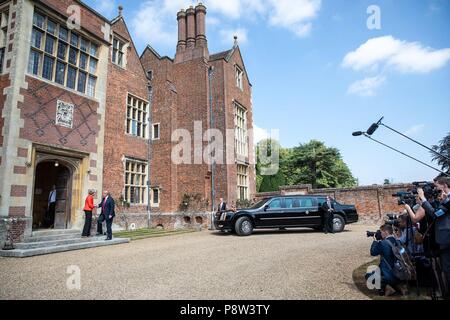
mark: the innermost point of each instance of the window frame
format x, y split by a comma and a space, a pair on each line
239, 74
129, 183
132, 109
61, 37
152, 195
118, 54
240, 130
159, 131
242, 175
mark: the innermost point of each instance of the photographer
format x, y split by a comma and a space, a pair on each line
416, 214
439, 212
407, 236
381, 247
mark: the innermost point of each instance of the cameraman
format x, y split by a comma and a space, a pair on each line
441, 216
383, 249
408, 234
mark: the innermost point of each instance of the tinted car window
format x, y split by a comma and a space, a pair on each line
290, 203
275, 204
306, 202
259, 204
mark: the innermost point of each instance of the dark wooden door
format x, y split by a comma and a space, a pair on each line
62, 198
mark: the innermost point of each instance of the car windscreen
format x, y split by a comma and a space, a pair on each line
259, 204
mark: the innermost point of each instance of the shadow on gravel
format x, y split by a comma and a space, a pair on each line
360, 283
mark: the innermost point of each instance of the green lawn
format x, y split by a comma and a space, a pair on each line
149, 233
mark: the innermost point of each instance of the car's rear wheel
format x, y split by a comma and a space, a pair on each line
338, 223
243, 226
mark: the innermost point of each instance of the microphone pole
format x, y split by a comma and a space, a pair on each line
415, 141
375, 126
402, 153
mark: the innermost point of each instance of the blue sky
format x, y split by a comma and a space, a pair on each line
318, 72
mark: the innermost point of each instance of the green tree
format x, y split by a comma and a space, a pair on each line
443, 148
321, 166
267, 183
311, 163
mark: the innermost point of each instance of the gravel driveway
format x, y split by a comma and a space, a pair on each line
294, 264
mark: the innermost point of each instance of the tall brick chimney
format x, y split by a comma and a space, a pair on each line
181, 17
200, 17
192, 41
190, 17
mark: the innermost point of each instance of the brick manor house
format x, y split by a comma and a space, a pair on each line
81, 109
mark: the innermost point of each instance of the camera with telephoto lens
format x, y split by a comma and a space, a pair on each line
429, 189
376, 234
393, 220
406, 197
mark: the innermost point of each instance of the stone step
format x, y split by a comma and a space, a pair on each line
41, 244
22, 253
51, 232
53, 237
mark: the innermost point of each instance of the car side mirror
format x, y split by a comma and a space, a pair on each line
266, 207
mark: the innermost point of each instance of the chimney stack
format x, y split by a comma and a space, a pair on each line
181, 17
192, 42
190, 17
200, 17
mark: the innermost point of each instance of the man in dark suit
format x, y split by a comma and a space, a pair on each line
441, 218
108, 213
222, 209
328, 215
222, 206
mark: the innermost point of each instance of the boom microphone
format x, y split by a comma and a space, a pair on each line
372, 129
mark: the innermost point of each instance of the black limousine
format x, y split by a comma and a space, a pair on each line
284, 212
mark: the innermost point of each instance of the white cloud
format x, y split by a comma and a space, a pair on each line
259, 134
414, 130
367, 86
155, 21
212, 21
402, 56
150, 24
227, 35
106, 7
294, 15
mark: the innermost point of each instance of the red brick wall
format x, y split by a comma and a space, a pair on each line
225, 93
89, 20
117, 143
4, 82
244, 98
39, 112
164, 111
191, 80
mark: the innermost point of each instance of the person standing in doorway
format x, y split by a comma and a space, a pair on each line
88, 207
51, 207
107, 215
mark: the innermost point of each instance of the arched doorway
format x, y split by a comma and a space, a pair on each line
52, 175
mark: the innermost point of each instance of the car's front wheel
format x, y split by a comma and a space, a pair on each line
338, 223
243, 226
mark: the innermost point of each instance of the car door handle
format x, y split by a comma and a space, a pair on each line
307, 212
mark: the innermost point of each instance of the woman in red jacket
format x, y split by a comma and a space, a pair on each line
88, 207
